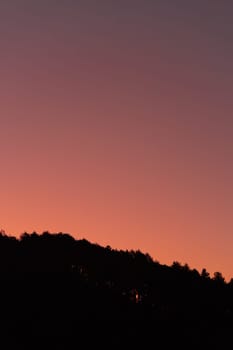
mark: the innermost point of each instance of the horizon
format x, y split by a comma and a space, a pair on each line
182, 263
116, 124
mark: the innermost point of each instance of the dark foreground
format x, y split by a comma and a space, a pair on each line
54, 285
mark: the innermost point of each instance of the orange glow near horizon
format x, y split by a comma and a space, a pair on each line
116, 126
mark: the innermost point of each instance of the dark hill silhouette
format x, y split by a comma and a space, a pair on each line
52, 283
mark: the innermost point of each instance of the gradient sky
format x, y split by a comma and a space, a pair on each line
117, 124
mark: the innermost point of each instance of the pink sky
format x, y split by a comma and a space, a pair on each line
116, 125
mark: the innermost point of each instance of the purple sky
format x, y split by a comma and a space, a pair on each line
116, 124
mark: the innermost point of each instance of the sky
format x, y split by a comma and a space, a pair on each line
116, 124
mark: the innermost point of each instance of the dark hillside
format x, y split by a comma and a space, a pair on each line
51, 283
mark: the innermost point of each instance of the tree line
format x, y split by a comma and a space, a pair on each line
52, 282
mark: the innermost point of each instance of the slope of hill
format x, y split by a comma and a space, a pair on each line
51, 283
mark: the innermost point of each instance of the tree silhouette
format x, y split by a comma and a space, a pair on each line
218, 277
205, 274
61, 281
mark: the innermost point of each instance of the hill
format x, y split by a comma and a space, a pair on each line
52, 283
